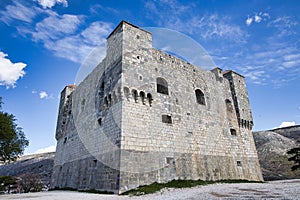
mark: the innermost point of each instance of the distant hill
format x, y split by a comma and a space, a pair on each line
41, 164
272, 146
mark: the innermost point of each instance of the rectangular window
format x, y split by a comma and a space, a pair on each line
233, 132
169, 160
239, 163
167, 119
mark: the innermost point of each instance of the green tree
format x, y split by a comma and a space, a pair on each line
296, 157
12, 138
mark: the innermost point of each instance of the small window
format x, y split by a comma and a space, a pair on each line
233, 131
167, 119
162, 86
200, 97
82, 104
142, 95
239, 163
150, 99
126, 92
109, 99
169, 160
228, 105
135, 95
65, 140
100, 121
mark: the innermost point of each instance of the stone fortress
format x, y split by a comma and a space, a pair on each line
144, 116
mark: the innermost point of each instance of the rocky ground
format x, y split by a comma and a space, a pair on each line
286, 189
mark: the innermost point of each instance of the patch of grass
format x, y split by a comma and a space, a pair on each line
96, 191
87, 191
154, 187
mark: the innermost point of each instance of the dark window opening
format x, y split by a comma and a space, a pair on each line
109, 99
65, 140
167, 119
162, 86
239, 163
102, 87
233, 131
200, 97
135, 95
142, 95
100, 121
95, 163
150, 99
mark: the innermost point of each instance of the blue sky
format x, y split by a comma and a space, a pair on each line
44, 42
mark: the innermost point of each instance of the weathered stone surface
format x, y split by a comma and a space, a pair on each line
143, 116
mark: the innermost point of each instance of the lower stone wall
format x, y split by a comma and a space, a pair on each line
86, 174
195, 167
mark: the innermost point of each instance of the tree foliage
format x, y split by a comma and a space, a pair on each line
296, 158
12, 138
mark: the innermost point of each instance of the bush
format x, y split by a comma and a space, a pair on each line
7, 184
30, 182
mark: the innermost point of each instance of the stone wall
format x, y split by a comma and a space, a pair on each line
143, 116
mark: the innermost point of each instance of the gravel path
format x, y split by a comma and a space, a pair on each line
287, 189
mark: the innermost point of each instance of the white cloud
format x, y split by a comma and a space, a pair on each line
257, 18
17, 11
286, 124
33, 91
43, 95
46, 149
56, 26
84, 42
249, 21
10, 72
51, 3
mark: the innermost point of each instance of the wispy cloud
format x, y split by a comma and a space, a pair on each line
61, 34
10, 72
18, 11
174, 15
284, 25
56, 26
51, 3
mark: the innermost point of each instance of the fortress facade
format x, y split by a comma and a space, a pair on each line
144, 116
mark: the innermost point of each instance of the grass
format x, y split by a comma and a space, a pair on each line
154, 187
87, 191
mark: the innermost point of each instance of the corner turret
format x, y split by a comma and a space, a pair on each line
240, 98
